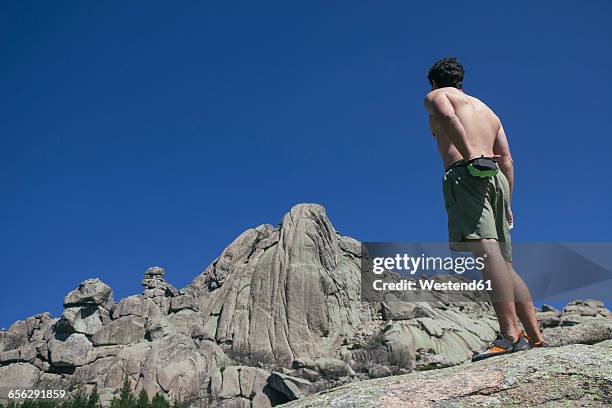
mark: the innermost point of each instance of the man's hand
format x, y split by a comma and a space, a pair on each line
510, 217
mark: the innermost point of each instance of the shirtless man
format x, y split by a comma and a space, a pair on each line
477, 198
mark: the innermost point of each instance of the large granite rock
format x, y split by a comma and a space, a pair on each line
568, 376
283, 292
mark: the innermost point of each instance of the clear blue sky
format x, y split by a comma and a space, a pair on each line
153, 133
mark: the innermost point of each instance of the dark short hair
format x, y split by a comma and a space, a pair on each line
446, 72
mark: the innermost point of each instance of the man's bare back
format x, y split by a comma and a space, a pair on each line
481, 124
465, 128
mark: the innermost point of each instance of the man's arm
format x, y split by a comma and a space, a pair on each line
506, 164
439, 106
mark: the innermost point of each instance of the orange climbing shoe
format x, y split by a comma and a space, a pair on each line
522, 343
498, 347
533, 344
538, 344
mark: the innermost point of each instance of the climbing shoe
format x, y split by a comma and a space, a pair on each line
522, 343
538, 344
498, 347
533, 344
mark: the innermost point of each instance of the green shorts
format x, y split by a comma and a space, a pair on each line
477, 208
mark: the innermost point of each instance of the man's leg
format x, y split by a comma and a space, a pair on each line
502, 285
524, 306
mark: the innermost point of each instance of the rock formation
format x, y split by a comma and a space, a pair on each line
570, 376
276, 317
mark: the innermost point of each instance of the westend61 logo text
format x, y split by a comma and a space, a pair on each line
414, 264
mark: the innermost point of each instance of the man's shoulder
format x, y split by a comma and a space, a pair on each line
439, 91
446, 91
432, 95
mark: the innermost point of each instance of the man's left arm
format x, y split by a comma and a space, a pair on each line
506, 164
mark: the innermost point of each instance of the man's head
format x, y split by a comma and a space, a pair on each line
446, 72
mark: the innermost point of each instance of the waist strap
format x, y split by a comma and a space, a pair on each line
458, 163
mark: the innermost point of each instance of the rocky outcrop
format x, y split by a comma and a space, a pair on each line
590, 332
573, 313
572, 376
276, 317
87, 308
282, 293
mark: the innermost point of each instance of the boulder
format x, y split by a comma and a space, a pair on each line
589, 332
176, 366
71, 351
380, 371
549, 308
210, 328
90, 292
216, 383
83, 319
187, 322
334, 368
37, 324
20, 329
548, 319
304, 362
185, 301
9, 356
157, 290
131, 305
238, 382
252, 381
18, 376
10, 341
231, 383
155, 284
261, 400
292, 387
307, 374
155, 271
125, 330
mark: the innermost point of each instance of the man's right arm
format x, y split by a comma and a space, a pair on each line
439, 106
